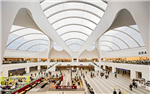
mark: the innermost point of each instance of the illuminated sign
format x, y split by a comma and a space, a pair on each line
66, 87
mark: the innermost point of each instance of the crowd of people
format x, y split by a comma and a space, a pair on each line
134, 84
143, 62
13, 61
89, 87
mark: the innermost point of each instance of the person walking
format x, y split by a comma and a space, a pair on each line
115, 75
114, 92
101, 75
133, 84
119, 91
130, 86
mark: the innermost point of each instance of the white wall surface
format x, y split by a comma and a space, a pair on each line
89, 54
24, 54
74, 54
124, 53
24, 65
59, 54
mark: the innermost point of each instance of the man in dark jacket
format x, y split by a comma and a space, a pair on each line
130, 87
114, 92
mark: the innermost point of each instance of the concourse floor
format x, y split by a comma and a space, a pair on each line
102, 85
106, 86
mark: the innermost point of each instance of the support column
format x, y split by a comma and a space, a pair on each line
5, 73
78, 60
97, 45
38, 59
72, 60
1, 55
132, 74
146, 75
104, 67
50, 46
27, 69
113, 69
39, 67
48, 66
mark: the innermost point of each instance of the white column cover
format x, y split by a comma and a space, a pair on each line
27, 69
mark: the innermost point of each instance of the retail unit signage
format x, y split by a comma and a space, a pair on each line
66, 87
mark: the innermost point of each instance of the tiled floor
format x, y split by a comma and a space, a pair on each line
106, 86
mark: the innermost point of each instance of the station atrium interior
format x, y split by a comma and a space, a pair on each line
74, 46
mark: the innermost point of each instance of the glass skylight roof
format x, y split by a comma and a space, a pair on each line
57, 47
121, 38
21, 38
74, 21
91, 47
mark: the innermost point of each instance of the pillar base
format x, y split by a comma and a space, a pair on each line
5, 73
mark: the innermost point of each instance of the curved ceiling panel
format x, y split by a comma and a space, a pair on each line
74, 32
73, 25
74, 19
112, 43
20, 38
75, 14
23, 37
31, 41
113, 46
125, 37
90, 48
74, 35
74, 44
78, 41
37, 47
118, 41
57, 47
106, 48
74, 47
133, 33
74, 28
75, 3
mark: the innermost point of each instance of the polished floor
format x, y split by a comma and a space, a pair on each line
102, 85
106, 86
